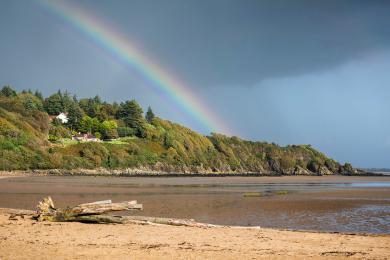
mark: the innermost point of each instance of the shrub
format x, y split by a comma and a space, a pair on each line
57, 132
110, 134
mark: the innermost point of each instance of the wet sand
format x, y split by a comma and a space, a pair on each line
328, 203
27, 239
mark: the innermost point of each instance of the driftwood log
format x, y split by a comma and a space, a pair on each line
94, 213
88, 212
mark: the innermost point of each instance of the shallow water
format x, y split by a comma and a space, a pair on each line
328, 203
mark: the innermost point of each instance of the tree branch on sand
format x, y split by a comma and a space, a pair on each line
88, 212
94, 213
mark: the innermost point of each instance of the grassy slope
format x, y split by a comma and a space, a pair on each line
23, 140
167, 147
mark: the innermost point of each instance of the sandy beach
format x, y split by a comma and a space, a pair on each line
23, 238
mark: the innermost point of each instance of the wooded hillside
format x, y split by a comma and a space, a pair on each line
30, 140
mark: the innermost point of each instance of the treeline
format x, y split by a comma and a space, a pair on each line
87, 115
154, 143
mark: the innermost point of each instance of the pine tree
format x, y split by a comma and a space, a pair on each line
67, 101
8, 92
53, 104
131, 113
75, 115
29, 104
38, 94
91, 106
149, 115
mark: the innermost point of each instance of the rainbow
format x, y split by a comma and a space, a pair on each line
127, 52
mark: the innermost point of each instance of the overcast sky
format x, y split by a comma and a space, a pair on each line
302, 72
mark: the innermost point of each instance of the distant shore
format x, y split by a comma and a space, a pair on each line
146, 173
22, 238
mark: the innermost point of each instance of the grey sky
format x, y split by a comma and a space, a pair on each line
282, 71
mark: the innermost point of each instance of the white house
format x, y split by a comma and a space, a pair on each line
63, 117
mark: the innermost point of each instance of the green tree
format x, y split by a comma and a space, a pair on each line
95, 125
108, 129
75, 115
8, 92
85, 125
110, 133
67, 101
107, 111
131, 113
39, 95
149, 115
91, 106
53, 104
108, 124
29, 104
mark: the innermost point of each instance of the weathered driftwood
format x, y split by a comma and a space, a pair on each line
164, 221
88, 212
17, 212
142, 220
93, 213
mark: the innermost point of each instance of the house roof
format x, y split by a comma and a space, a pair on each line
88, 136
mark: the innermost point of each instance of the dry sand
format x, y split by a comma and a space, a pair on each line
24, 238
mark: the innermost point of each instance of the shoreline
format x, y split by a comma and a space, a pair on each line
72, 240
140, 173
26, 212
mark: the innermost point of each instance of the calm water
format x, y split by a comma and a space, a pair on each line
329, 203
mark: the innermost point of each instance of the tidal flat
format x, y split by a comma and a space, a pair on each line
315, 203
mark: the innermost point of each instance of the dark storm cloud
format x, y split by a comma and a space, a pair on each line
241, 42
320, 68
